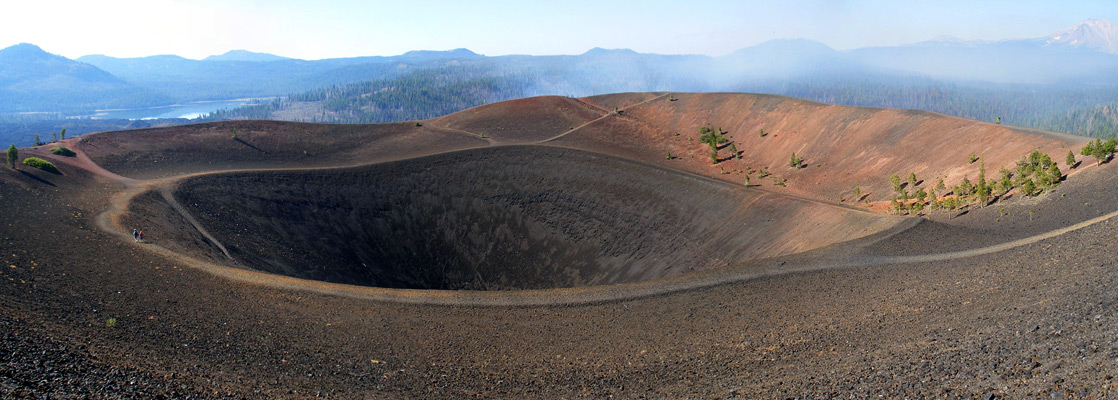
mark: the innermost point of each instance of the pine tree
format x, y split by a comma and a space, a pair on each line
982, 188
13, 155
895, 180
63, 134
1071, 158
796, 162
912, 179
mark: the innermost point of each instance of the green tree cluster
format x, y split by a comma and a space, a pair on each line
713, 138
1102, 151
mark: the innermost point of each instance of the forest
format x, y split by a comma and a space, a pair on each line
433, 92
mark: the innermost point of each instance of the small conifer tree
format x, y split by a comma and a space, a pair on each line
13, 155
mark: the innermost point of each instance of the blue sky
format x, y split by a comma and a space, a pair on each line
342, 28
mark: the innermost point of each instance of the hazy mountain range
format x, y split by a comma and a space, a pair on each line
1081, 58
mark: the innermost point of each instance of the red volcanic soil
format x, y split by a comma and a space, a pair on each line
843, 147
801, 297
538, 118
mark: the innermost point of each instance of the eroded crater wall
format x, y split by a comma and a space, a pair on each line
502, 218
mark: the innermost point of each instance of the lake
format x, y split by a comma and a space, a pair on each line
188, 110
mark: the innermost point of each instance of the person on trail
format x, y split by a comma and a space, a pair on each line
141, 236
136, 235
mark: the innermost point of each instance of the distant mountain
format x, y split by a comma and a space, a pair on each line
426, 55
33, 80
29, 66
1077, 58
245, 55
1095, 34
1079, 55
240, 74
787, 57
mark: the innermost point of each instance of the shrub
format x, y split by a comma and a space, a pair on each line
41, 164
63, 151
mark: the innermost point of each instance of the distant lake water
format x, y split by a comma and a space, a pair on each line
188, 110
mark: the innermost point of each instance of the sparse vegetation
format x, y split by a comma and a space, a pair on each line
1035, 174
782, 182
37, 141
13, 155
762, 133
42, 164
234, 137
63, 151
1070, 160
796, 162
763, 173
973, 158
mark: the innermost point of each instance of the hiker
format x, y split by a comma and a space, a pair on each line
141, 236
136, 235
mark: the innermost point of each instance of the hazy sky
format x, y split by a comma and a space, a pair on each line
342, 28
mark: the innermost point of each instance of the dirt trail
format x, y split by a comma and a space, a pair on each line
575, 129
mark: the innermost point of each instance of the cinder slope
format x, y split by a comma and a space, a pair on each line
162, 152
843, 147
524, 120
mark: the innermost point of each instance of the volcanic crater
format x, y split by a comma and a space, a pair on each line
540, 193
504, 218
